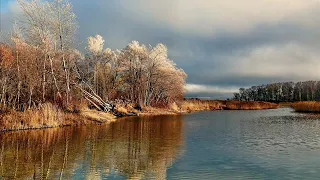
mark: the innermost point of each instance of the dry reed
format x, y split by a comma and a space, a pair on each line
309, 107
97, 116
200, 105
47, 115
249, 105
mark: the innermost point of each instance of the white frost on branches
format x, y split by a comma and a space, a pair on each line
95, 45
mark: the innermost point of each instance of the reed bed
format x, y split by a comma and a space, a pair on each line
209, 105
308, 107
249, 105
49, 116
200, 105
98, 116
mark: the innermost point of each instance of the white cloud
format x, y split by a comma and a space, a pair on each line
208, 17
264, 41
295, 61
207, 89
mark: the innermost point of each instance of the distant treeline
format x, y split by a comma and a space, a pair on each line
281, 92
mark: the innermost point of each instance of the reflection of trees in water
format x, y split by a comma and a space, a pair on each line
134, 148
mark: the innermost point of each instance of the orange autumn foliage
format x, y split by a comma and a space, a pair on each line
6, 56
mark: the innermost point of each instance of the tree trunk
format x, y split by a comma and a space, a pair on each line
44, 79
3, 97
54, 78
67, 78
30, 97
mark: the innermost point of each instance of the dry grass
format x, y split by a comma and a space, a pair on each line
286, 104
45, 116
175, 107
154, 111
125, 110
244, 105
200, 105
188, 106
49, 116
309, 107
122, 110
98, 116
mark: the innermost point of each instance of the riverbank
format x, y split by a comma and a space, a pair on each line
50, 116
307, 107
250, 105
203, 105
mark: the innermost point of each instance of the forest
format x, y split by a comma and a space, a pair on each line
39, 64
281, 92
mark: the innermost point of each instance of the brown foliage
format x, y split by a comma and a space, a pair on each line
200, 105
6, 56
48, 116
309, 107
249, 105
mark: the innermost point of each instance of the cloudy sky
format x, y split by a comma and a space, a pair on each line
221, 44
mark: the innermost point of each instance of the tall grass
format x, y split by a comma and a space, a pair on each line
311, 107
249, 105
98, 116
200, 105
47, 115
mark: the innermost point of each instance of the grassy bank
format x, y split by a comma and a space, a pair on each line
49, 116
200, 105
308, 107
286, 104
251, 105
208, 105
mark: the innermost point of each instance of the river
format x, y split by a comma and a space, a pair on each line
267, 144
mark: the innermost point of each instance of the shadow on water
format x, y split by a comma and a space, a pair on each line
131, 148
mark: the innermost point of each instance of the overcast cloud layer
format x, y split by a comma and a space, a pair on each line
221, 44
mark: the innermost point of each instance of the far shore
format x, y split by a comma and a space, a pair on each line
50, 116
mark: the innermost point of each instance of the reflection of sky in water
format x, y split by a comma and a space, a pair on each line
250, 144
271, 144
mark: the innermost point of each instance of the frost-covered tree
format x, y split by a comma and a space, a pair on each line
40, 65
48, 28
142, 74
95, 45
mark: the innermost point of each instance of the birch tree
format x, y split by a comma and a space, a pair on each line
51, 26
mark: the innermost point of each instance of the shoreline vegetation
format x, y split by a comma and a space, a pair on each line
300, 96
46, 82
306, 106
50, 116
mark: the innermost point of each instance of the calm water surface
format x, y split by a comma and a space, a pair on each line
269, 144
